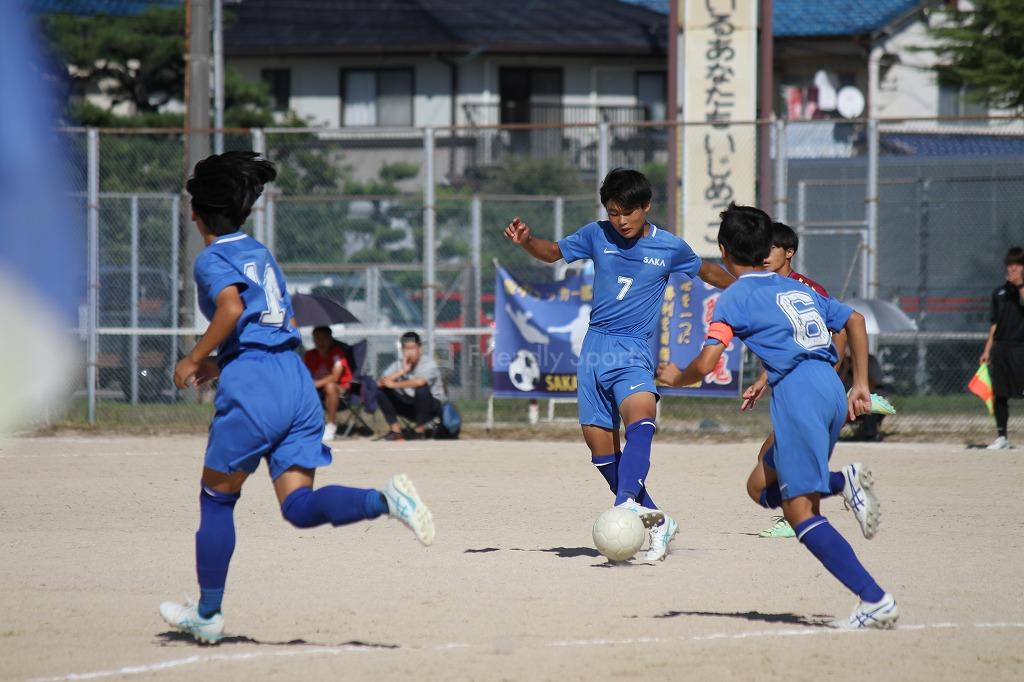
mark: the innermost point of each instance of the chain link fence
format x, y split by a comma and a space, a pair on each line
404, 226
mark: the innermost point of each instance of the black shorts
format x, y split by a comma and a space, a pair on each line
1006, 367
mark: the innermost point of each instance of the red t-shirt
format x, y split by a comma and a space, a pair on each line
320, 366
804, 279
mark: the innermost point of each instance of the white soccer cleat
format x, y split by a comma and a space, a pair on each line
880, 615
660, 537
859, 493
185, 617
330, 430
1000, 443
404, 504
650, 517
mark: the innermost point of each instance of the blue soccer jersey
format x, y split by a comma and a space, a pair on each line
781, 320
266, 321
630, 275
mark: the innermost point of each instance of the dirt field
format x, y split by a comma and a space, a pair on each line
96, 531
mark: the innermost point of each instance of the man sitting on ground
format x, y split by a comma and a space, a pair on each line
331, 373
411, 386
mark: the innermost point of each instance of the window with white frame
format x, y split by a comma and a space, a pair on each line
652, 94
376, 97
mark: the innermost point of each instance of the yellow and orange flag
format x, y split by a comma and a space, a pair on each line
981, 386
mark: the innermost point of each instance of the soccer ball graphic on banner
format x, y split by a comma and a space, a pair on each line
618, 533
524, 371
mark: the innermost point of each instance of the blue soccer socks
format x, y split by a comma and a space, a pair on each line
635, 461
836, 482
334, 504
608, 466
835, 553
215, 543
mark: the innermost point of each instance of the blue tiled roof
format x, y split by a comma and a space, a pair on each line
793, 18
89, 7
932, 144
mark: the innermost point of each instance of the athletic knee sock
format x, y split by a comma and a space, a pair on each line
771, 497
835, 553
608, 467
215, 543
334, 504
635, 461
1001, 409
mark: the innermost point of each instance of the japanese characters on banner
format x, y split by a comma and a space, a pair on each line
685, 316
719, 87
541, 327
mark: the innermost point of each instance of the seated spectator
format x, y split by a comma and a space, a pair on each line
411, 386
331, 374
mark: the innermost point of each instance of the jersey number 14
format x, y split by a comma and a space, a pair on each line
274, 316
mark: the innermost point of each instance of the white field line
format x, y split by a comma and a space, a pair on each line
336, 651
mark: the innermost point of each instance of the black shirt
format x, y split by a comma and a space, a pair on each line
1008, 314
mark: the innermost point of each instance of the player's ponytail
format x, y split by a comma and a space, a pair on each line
225, 186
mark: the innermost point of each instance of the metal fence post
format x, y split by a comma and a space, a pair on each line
429, 247
475, 249
92, 342
781, 183
801, 220
175, 322
133, 296
559, 217
269, 223
870, 289
259, 145
603, 161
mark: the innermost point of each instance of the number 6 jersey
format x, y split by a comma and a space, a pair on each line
265, 323
781, 320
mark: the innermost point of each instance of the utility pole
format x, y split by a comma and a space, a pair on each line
218, 76
197, 135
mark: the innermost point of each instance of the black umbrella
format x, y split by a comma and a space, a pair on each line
319, 311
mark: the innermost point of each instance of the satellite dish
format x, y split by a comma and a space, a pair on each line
850, 102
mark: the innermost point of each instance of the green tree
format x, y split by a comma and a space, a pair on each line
983, 48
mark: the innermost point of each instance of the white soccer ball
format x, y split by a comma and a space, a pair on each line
524, 370
619, 533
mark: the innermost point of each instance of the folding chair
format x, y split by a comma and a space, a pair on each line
351, 402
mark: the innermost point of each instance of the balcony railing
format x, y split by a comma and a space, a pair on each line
515, 112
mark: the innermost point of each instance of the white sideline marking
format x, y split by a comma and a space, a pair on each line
336, 651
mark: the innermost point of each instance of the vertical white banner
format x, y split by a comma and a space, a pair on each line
719, 87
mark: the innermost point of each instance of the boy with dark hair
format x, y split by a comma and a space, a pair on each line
615, 372
787, 326
1004, 349
332, 376
266, 406
411, 386
785, 243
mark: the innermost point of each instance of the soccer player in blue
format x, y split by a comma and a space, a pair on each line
615, 371
787, 325
266, 406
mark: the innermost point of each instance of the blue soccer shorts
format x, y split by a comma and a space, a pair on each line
266, 406
610, 369
808, 410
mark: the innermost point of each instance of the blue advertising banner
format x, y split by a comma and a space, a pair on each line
540, 331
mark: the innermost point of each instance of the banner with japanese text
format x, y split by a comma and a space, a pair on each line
719, 72
540, 329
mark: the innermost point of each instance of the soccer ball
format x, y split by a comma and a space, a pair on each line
524, 371
618, 533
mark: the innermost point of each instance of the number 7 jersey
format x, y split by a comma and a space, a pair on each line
238, 259
630, 275
781, 320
